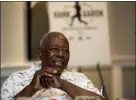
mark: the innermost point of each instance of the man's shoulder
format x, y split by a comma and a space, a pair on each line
72, 72
18, 75
26, 73
77, 78
21, 72
20, 78
72, 75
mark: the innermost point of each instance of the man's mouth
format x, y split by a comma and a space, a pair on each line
59, 66
58, 63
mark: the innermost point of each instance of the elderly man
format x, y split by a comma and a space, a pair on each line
49, 79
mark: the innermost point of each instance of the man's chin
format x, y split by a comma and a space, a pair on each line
59, 68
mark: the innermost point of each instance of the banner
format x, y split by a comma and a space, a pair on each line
85, 24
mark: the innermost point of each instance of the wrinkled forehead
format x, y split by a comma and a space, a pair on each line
57, 39
56, 36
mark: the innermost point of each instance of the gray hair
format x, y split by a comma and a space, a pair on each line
45, 38
43, 41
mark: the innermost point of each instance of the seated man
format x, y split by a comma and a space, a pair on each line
49, 79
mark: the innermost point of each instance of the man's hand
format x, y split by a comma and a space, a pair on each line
45, 78
37, 81
52, 81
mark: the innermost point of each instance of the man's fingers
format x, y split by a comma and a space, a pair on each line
56, 82
42, 81
46, 74
50, 80
50, 70
45, 82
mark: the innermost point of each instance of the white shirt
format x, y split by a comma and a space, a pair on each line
19, 80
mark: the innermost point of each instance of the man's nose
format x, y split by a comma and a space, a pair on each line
61, 54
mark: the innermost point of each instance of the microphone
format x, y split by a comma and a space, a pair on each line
103, 88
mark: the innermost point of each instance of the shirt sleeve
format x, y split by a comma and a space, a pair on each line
88, 85
17, 82
7, 90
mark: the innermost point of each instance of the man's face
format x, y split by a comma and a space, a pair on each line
56, 53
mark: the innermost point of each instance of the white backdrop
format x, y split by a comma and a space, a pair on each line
88, 38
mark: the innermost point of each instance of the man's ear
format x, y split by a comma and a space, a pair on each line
39, 53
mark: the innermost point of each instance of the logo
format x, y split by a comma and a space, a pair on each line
79, 17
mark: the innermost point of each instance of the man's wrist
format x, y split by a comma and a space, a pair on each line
33, 89
62, 84
28, 91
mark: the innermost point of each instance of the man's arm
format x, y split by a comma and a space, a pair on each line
28, 91
73, 90
7, 90
35, 85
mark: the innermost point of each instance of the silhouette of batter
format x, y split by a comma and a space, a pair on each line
78, 14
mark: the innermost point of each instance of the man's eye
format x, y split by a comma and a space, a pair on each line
54, 49
65, 50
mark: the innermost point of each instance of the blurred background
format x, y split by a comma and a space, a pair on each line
24, 23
